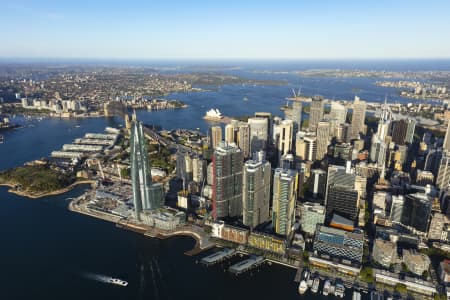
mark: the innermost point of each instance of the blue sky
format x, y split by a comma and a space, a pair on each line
224, 29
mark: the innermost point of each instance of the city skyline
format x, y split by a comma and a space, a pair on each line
232, 30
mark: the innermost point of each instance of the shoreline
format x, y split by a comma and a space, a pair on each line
53, 193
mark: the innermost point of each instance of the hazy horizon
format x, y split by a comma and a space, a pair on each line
232, 30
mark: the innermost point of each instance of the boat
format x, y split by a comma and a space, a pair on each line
315, 286
332, 288
309, 282
245, 99
117, 281
213, 114
339, 291
302, 287
326, 288
356, 295
305, 275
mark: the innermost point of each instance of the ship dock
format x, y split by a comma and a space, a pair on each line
218, 256
246, 265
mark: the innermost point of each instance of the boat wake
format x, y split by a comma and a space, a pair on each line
104, 279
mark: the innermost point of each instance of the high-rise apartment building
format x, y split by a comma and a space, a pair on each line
284, 197
227, 181
215, 136
256, 192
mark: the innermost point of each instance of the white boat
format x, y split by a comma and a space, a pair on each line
305, 275
309, 282
315, 286
356, 295
339, 291
302, 287
326, 288
117, 281
332, 288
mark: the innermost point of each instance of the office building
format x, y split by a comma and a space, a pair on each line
311, 214
317, 184
294, 113
336, 243
284, 197
399, 131
146, 195
306, 146
323, 139
410, 130
358, 117
343, 201
446, 144
384, 252
256, 192
269, 118
283, 133
416, 263
338, 113
227, 181
315, 113
443, 177
259, 137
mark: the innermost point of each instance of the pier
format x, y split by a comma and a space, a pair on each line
246, 265
218, 256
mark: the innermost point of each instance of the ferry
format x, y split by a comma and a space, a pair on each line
326, 288
117, 281
356, 295
339, 291
303, 287
315, 286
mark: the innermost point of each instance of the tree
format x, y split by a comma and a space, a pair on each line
366, 274
400, 288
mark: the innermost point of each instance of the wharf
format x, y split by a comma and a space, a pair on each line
218, 256
246, 265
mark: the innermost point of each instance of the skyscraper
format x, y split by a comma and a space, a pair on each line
284, 197
258, 134
446, 144
358, 117
243, 139
284, 133
323, 139
215, 136
294, 113
256, 192
410, 130
227, 181
399, 131
338, 113
146, 196
229, 134
443, 177
315, 113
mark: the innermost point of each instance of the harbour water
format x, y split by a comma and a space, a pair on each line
45, 250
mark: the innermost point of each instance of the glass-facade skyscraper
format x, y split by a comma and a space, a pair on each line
146, 195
